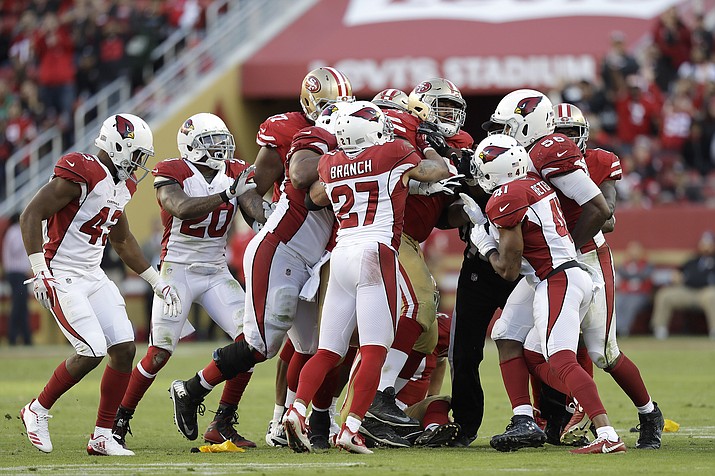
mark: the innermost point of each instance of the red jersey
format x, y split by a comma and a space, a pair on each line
532, 204
277, 132
405, 125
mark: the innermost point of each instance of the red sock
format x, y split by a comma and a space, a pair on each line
412, 364
324, 396
212, 374
515, 375
437, 412
297, 361
287, 351
408, 330
578, 381
234, 388
627, 376
59, 383
314, 373
535, 390
111, 390
584, 360
367, 378
539, 368
142, 377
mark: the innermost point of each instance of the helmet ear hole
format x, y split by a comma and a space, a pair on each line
118, 146
525, 130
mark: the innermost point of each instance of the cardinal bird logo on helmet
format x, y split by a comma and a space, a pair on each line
527, 105
491, 152
187, 127
124, 127
367, 113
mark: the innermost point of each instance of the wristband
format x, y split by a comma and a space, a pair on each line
38, 263
224, 197
489, 253
151, 276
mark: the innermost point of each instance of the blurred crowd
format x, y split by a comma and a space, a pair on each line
56, 53
655, 107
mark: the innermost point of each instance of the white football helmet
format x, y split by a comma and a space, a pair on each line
525, 114
360, 125
391, 99
129, 142
499, 159
326, 119
321, 87
204, 139
571, 122
439, 101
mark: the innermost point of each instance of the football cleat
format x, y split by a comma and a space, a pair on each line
521, 432
352, 442
36, 427
186, 409
276, 434
121, 425
601, 446
101, 445
650, 429
576, 429
442, 435
221, 428
319, 434
296, 431
385, 409
377, 433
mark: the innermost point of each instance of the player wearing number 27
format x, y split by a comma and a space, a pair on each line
79, 209
365, 181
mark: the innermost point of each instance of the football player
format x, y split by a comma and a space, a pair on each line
198, 193
528, 236
81, 208
365, 181
278, 262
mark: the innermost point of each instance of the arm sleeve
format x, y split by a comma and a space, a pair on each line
577, 186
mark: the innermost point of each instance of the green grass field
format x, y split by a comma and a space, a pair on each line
680, 374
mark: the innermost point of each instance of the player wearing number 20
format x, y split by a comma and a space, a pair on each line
80, 208
199, 193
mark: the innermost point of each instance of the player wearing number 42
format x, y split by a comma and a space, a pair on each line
82, 206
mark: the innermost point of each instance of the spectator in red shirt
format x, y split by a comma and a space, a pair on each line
20, 129
637, 112
673, 41
634, 288
677, 116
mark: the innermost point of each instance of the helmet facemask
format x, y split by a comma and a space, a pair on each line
217, 148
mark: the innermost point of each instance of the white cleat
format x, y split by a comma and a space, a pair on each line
276, 435
102, 445
352, 442
36, 426
296, 431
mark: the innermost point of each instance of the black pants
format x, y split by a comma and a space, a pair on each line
480, 292
19, 325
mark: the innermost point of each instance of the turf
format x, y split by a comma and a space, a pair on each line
680, 374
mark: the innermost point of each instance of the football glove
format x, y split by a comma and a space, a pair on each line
44, 287
472, 210
172, 303
463, 162
434, 138
268, 209
482, 240
240, 185
446, 186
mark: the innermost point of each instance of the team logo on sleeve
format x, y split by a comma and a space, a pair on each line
124, 127
491, 152
187, 127
312, 84
527, 105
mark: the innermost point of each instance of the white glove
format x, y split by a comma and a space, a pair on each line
482, 240
240, 185
268, 209
167, 292
472, 210
446, 186
44, 286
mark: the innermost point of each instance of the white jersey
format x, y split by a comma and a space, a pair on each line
367, 192
202, 239
76, 235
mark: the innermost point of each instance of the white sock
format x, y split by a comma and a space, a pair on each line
526, 410
607, 432
353, 424
203, 381
647, 408
300, 408
99, 431
394, 362
278, 412
400, 384
38, 408
290, 397
333, 407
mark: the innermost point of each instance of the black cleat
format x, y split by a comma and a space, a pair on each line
442, 435
650, 429
221, 428
522, 432
385, 409
377, 433
185, 409
319, 430
121, 425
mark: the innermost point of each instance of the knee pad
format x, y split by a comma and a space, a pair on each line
235, 358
